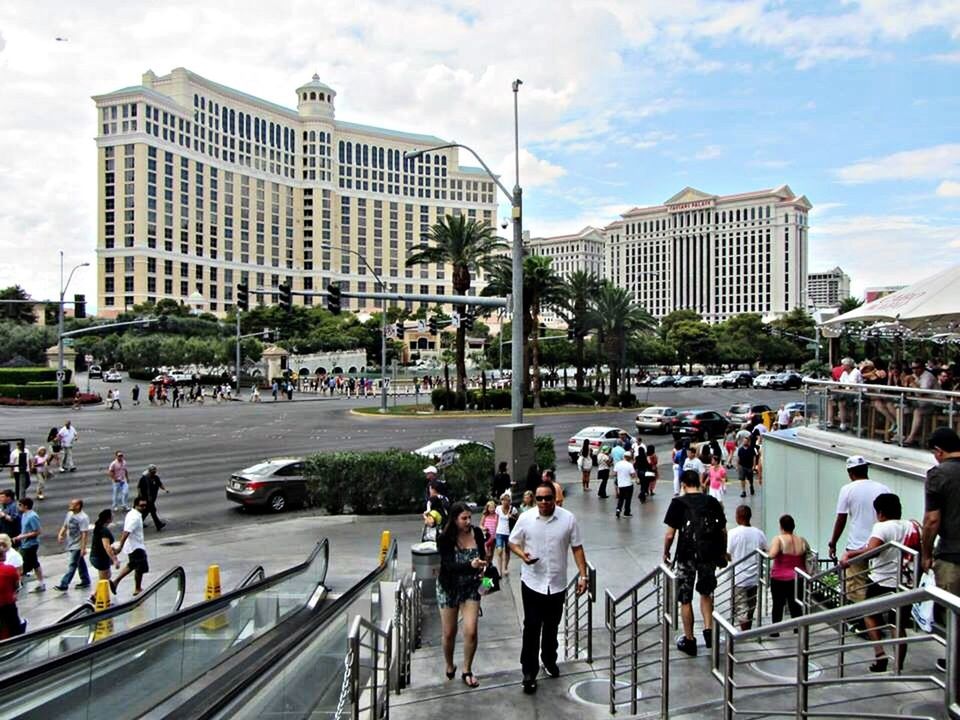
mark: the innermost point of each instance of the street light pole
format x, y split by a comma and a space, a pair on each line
63, 292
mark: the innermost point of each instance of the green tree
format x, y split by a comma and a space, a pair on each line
740, 339
469, 247
694, 341
18, 312
546, 289
617, 316
848, 304
581, 289
667, 322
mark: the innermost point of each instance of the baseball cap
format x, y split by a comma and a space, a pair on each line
617, 454
856, 461
946, 439
431, 469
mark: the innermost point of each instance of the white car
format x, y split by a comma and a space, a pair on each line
763, 380
713, 381
112, 376
444, 452
596, 434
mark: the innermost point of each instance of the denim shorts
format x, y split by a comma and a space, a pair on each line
502, 541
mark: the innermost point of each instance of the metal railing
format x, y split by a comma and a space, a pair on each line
578, 618
407, 624
369, 658
861, 406
808, 689
750, 571
640, 620
255, 575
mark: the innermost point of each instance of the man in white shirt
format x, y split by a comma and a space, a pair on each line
849, 376
694, 463
13, 557
783, 417
541, 540
855, 503
626, 476
742, 543
67, 437
131, 542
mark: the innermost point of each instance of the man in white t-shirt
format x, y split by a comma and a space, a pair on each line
67, 437
626, 476
131, 542
884, 568
783, 417
694, 463
850, 375
855, 503
742, 542
13, 557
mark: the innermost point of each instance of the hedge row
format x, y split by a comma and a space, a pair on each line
36, 391
80, 398
499, 399
24, 375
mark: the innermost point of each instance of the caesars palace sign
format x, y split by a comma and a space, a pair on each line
695, 205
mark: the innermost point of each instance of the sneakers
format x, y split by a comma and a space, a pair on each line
42, 587
688, 646
60, 588
708, 638
743, 494
82, 585
529, 684
618, 514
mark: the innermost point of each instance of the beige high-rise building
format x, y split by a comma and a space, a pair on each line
585, 250
828, 288
719, 255
201, 187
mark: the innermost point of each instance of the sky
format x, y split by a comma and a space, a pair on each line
623, 103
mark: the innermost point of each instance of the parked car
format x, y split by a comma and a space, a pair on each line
738, 379
656, 419
276, 484
176, 378
663, 381
801, 409
444, 452
713, 381
596, 434
94, 372
746, 413
689, 381
787, 381
763, 380
112, 376
700, 424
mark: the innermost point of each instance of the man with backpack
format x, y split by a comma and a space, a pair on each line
701, 549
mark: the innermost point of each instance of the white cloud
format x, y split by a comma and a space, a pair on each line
709, 152
952, 57
949, 188
598, 217
939, 161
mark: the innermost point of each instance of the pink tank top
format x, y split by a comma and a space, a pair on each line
783, 566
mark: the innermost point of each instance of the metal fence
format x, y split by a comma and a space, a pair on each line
578, 618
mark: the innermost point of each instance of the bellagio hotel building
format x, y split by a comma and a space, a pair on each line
201, 187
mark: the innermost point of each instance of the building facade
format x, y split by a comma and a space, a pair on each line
584, 251
719, 255
827, 289
201, 187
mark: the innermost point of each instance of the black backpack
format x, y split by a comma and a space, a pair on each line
702, 532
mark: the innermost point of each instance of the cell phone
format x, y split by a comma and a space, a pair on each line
533, 561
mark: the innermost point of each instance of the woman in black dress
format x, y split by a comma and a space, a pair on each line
102, 556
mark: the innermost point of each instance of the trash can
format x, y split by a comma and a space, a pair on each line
426, 564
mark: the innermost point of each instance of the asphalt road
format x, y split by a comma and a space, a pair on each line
197, 447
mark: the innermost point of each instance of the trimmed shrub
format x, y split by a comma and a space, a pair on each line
388, 481
448, 400
627, 399
575, 397
470, 477
544, 452
24, 375
37, 391
496, 399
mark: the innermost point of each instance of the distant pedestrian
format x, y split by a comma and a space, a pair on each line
41, 469
716, 478
177, 395
654, 463
693, 462
746, 462
114, 397
148, 487
488, 521
626, 475
119, 476
528, 503
644, 472
783, 417
56, 449
275, 389
506, 519
289, 390
9, 513
74, 533
102, 556
585, 464
135, 395
542, 539
20, 463
255, 394
29, 539
131, 542
742, 543
679, 457
68, 439
604, 463
10, 623
549, 475
152, 394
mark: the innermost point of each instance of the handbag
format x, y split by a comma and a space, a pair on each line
922, 612
490, 582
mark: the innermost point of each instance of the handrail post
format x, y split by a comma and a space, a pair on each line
902, 417
728, 665
859, 412
953, 669
666, 631
634, 628
803, 670
610, 610
592, 598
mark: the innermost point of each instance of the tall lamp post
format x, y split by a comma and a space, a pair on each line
516, 203
383, 323
63, 291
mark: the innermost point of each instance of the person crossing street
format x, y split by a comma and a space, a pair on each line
75, 531
148, 488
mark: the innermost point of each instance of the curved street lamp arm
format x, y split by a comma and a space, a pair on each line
418, 153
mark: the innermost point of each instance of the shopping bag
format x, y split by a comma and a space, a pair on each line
922, 612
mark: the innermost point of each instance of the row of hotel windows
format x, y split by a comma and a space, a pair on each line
694, 219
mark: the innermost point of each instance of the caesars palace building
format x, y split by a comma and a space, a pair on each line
201, 187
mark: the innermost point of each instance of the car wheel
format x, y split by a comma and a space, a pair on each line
573, 458
277, 502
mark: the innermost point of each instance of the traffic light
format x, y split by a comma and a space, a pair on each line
243, 297
400, 330
333, 298
467, 322
432, 326
79, 306
286, 297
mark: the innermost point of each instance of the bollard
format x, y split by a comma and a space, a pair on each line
104, 628
212, 593
384, 545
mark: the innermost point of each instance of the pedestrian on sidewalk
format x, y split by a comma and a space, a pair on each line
131, 542
788, 552
135, 395
541, 539
604, 463
716, 478
742, 543
117, 472
9, 513
585, 464
67, 436
41, 468
679, 457
10, 623
102, 556
701, 548
550, 476
460, 545
626, 476
74, 531
654, 463
488, 521
21, 461
501, 481
644, 472
506, 519
13, 557
29, 539
746, 462
148, 487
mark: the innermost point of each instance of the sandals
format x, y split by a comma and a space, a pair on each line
879, 665
451, 673
469, 680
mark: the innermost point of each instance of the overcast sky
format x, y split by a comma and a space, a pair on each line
623, 103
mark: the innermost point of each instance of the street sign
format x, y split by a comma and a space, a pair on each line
391, 331
88, 358
812, 346
455, 320
421, 326
61, 375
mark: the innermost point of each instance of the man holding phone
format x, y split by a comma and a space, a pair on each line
541, 540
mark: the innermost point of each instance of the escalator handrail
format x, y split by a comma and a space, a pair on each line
158, 625
250, 675
73, 620
255, 575
79, 611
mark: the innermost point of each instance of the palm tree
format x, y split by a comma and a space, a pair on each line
616, 316
581, 289
469, 246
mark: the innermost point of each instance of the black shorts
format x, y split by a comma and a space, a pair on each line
137, 560
30, 560
688, 571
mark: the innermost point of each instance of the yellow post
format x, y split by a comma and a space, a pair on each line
212, 593
104, 628
384, 545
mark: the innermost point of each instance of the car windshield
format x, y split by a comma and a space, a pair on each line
740, 408
264, 468
653, 411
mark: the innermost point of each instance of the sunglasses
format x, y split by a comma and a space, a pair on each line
545, 498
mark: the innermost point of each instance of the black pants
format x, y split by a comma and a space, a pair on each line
541, 622
624, 496
602, 477
783, 592
152, 511
644, 487
10, 623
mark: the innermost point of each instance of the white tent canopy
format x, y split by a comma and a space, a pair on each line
930, 305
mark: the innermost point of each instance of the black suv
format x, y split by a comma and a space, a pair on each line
787, 381
738, 379
700, 424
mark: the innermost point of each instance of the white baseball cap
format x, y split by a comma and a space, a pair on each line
431, 469
856, 461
